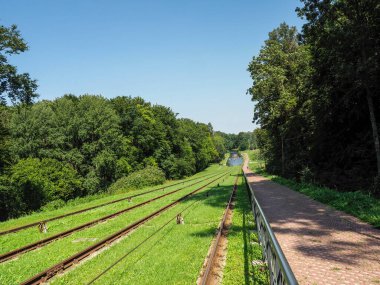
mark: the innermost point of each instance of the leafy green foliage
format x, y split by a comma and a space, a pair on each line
280, 75
316, 95
14, 86
102, 141
5, 141
241, 141
148, 176
44, 180
88, 142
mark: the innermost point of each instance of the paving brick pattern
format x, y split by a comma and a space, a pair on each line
323, 246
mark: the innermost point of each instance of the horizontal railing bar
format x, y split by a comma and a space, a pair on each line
282, 261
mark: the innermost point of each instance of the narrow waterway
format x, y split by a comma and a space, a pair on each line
234, 159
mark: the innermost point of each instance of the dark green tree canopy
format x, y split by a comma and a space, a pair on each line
317, 95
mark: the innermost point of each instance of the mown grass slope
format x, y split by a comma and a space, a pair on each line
174, 255
25, 266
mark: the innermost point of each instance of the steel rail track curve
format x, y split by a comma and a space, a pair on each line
93, 207
74, 259
214, 246
14, 253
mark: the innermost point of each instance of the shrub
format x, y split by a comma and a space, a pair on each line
41, 181
149, 176
53, 205
11, 204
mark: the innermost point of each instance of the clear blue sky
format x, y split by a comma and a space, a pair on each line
189, 55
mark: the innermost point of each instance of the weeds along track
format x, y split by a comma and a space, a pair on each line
206, 274
60, 267
96, 206
14, 253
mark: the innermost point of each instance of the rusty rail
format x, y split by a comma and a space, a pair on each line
222, 226
94, 207
12, 254
74, 259
98, 276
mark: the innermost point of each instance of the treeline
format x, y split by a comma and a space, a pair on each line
317, 96
75, 146
240, 141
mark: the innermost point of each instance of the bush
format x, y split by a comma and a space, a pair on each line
149, 176
11, 204
176, 168
42, 181
53, 205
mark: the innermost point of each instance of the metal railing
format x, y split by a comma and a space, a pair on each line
278, 267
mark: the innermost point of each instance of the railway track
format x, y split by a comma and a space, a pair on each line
98, 276
60, 267
94, 207
14, 253
206, 276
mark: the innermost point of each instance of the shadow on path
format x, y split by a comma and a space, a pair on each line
317, 238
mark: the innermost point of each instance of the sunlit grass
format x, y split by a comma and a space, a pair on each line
243, 246
15, 240
173, 256
25, 266
89, 201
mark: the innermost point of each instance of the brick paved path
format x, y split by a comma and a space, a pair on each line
323, 246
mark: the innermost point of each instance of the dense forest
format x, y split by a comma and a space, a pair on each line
317, 96
73, 146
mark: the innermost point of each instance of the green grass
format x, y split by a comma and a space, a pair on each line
359, 204
173, 256
243, 245
15, 240
89, 201
15, 271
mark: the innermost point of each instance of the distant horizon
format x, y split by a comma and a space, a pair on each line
191, 57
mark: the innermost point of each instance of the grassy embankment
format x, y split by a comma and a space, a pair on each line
92, 200
12, 241
358, 203
32, 262
243, 246
174, 255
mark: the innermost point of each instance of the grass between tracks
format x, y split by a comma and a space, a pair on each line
91, 200
243, 246
31, 263
173, 255
15, 240
358, 204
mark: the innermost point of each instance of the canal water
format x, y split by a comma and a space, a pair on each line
234, 159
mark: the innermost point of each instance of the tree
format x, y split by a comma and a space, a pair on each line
280, 75
40, 181
199, 137
84, 132
220, 147
345, 43
5, 140
14, 86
